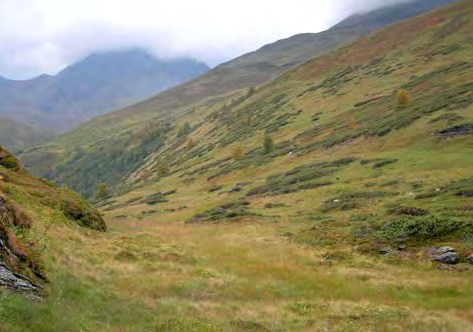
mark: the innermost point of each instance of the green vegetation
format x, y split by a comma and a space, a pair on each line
432, 227
334, 229
268, 144
101, 192
224, 212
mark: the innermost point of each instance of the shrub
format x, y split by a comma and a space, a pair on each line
155, 199
101, 192
7, 160
425, 228
403, 97
185, 130
223, 212
237, 153
162, 168
268, 144
410, 211
190, 143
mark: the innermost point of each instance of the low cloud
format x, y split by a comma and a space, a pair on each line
44, 36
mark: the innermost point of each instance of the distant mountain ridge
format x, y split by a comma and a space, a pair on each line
390, 14
99, 83
123, 138
299, 48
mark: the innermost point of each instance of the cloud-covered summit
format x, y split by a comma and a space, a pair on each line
44, 36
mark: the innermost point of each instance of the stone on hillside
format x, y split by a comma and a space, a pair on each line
401, 247
18, 283
444, 250
470, 259
450, 258
385, 251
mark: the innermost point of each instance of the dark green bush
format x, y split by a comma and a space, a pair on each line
223, 212
425, 228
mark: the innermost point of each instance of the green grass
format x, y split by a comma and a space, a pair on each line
297, 246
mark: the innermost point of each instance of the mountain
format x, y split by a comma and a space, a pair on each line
15, 135
302, 47
335, 197
98, 84
389, 15
120, 140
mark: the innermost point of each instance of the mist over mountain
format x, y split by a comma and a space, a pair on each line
99, 83
389, 13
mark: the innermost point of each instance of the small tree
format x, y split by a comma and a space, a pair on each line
237, 153
268, 144
162, 168
185, 130
403, 97
101, 192
250, 91
190, 143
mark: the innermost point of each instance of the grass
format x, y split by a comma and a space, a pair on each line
351, 173
221, 278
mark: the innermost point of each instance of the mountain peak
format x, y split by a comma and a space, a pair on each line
99, 83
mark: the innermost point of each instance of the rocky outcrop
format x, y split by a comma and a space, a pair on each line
18, 283
14, 252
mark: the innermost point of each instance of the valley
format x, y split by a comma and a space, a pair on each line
333, 195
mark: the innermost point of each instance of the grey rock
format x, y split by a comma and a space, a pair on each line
18, 283
401, 247
385, 251
450, 258
470, 259
444, 250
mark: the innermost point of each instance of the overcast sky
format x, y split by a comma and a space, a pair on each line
44, 36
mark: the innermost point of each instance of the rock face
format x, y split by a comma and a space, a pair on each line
18, 283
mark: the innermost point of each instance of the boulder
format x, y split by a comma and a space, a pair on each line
450, 258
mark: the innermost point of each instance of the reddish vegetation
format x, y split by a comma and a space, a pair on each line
382, 42
16, 250
16, 246
20, 218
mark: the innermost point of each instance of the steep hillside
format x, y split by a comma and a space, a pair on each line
300, 48
15, 135
30, 209
337, 197
98, 84
112, 146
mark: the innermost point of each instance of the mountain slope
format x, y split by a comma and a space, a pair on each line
300, 48
15, 135
97, 84
120, 140
318, 201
